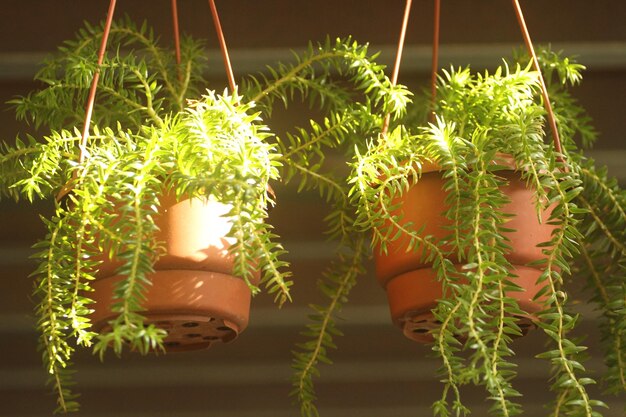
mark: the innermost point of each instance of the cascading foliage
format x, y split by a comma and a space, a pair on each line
354, 95
155, 129
148, 140
152, 132
478, 117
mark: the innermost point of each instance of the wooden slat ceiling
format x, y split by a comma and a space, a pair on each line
377, 372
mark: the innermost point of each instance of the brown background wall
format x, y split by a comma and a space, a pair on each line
377, 372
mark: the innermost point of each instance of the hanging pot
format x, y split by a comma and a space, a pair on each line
411, 284
193, 294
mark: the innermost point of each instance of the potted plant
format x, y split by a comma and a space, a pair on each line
154, 154
478, 223
488, 244
154, 147
153, 161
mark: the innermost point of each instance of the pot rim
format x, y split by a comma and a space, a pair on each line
503, 159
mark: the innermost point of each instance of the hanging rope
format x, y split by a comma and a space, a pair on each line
435, 60
544, 89
91, 99
94, 83
396, 65
224, 49
176, 38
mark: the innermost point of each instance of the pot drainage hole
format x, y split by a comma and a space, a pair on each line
206, 330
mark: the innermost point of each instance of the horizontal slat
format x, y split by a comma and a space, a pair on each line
258, 373
289, 316
397, 411
596, 56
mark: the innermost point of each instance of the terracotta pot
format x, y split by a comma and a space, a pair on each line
193, 295
410, 283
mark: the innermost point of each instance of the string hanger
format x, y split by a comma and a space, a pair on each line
435, 64
396, 65
96, 77
223, 48
435, 59
544, 90
394, 78
176, 38
91, 98
220, 36
94, 82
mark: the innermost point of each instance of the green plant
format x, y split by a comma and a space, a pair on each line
478, 117
146, 142
148, 137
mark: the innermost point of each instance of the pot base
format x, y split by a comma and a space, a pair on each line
419, 326
196, 308
414, 294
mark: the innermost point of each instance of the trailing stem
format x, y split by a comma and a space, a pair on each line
57, 350
494, 380
608, 233
338, 282
617, 351
572, 393
148, 43
603, 253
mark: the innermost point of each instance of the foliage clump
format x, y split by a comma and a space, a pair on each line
154, 133
478, 118
157, 130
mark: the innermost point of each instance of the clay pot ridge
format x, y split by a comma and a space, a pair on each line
424, 205
194, 295
412, 297
410, 283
